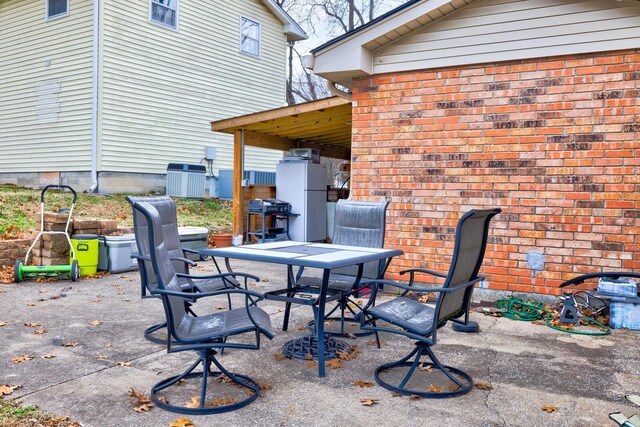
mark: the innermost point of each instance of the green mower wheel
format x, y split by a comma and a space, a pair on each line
75, 271
17, 274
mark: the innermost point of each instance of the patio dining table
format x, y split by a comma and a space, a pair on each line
312, 255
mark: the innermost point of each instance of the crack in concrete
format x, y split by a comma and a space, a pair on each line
84, 376
486, 401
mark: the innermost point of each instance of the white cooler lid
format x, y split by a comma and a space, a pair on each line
124, 237
192, 230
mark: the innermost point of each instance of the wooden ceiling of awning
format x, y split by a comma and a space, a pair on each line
324, 124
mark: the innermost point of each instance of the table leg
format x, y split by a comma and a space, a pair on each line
291, 282
320, 320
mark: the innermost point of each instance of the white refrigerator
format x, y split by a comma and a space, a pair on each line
304, 185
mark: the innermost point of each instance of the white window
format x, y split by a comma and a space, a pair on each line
164, 12
249, 36
57, 8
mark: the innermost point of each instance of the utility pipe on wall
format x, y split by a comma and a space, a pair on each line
94, 97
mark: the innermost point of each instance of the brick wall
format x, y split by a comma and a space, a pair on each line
554, 142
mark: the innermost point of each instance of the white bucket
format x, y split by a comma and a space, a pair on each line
236, 240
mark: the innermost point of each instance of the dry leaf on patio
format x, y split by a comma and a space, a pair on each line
301, 328
194, 403
143, 408
363, 384
40, 331
163, 400
373, 343
396, 394
415, 397
32, 324
223, 379
48, 356
96, 322
6, 389
435, 388
539, 322
101, 356
125, 364
138, 397
70, 344
54, 297
21, 359
31, 304
335, 364
265, 279
454, 387
308, 356
3, 324
311, 364
108, 345
550, 408
343, 355
368, 401
182, 422
264, 386
425, 367
279, 356
221, 307
423, 298
227, 400
483, 386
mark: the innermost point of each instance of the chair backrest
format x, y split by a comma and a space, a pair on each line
178, 320
471, 242
166, 208
363, 224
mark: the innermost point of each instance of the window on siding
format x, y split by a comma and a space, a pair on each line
249, 36
57, 8
164, 12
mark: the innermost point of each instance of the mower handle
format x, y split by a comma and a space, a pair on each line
44, 190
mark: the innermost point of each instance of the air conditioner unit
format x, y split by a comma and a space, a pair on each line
186, 180
253, 177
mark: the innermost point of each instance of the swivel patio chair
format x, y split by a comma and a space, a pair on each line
356, 223
166, 207
204, 334
420, 322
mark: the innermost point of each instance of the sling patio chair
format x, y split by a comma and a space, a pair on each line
356, 223
166, 207
420, 322
204, 334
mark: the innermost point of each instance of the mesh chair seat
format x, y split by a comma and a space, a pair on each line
208, 285
337, 282
220, 325
409, 314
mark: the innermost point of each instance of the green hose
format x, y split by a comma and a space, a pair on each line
517, 309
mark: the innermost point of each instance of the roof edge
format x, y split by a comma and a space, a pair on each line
293, 31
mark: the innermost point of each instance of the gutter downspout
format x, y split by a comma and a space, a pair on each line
331, 86
94, 98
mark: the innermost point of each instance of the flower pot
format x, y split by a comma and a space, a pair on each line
222, 240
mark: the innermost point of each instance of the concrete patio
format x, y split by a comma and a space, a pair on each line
528, 366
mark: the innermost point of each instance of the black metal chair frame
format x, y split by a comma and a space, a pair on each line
206, 346
425, 340
345, 299
191, 283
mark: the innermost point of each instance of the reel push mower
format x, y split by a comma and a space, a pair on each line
22, 271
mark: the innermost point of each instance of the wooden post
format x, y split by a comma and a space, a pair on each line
238, 190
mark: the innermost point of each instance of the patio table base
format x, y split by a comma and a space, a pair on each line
301, 348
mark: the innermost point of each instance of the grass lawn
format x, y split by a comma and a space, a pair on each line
20, 210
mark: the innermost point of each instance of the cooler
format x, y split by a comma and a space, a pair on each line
115, 253
194, 238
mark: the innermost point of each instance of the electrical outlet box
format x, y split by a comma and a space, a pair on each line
209, 152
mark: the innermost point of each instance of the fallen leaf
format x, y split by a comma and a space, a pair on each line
31, 304
221, 307
343, 355
308, 356
42, 291
125, 364
138, 397
415, 397
279, 356
227, 400
143, 408
265, 279
32, 324
48, 356
454, 387
21, 359
3, 324
54, 297
435, 388
70, 344
550, 408
163, 400
368, 401
39, 331
374, 343
96, 322
224, 379
182, 422
425, 367
108, 345
396, 394
363, 384
423, 298
335, 364
101, 356
310, 363
264, 386
483, 386
301, 328
6, 389
194, 403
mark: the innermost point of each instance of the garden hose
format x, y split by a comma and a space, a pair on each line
517, 309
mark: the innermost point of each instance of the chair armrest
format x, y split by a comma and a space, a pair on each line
377, 284
220, 276
611, 274
198, 295
412, 271
185, 260
140, 257
189, 250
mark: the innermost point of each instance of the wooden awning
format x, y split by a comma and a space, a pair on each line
324, 124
